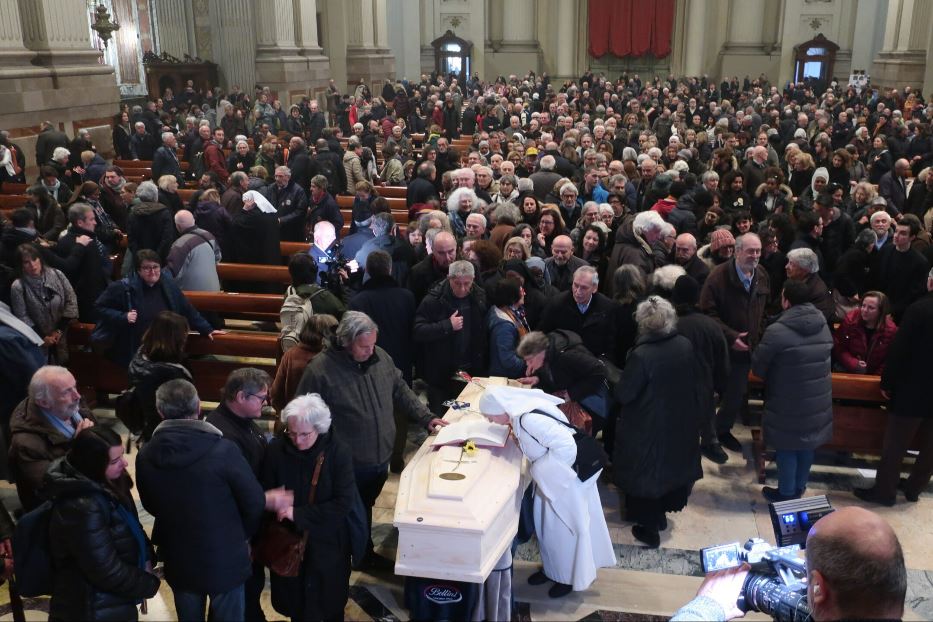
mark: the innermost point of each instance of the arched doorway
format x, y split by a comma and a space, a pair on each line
452, 55
815, 60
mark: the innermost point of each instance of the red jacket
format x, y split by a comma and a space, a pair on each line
664, 207
214, 160
851, 343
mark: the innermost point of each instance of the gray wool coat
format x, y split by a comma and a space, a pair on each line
794, 360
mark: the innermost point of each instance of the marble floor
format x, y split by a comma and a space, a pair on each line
726, 506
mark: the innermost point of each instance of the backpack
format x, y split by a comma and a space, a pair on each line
591, 457
295, 311
326, 168
198, 167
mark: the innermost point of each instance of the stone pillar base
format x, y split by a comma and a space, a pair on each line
292, 72
742, 60
508, 57
374, 66
899, 69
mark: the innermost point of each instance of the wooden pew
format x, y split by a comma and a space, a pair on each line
239, 305
859, 418
392, 192
399, 204
12, 201
401, 218
95, 374
185, 194
254, 272
10, 187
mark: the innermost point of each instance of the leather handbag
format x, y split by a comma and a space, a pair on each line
280, 546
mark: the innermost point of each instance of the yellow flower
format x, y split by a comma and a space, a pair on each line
469, 448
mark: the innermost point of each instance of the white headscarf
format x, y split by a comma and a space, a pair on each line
262, 203
516, 401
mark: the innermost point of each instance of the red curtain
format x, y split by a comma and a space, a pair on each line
625, 28
600, 12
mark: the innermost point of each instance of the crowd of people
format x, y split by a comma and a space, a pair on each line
634, 247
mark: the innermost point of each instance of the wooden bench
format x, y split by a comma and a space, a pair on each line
264, 307
254, 272
10, 187
12, 201
392, 192
185, 194
401, 218
97, 375
859, 418
345, 201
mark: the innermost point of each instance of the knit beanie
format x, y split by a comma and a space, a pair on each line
720, 238
686, 291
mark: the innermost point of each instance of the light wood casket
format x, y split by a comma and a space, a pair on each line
458, 529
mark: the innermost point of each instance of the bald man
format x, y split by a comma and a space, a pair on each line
434, 267
855, 571
685, 254
194, 256
754, 169
893, 186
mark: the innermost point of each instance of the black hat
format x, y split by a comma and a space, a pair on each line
686, 291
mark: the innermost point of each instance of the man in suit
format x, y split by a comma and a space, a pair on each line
165, 160
893, 186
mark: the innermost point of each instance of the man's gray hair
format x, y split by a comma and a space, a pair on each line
237, 177
166, 136
381, 223
663, 279
308, 408
590, 270
461, 268
547, 163
477, 215
878, 215
320, 181
60, 153
507, 213
283, 169
656, 316
742, 239
354, 324
647, 221
246, 379
77, 212
804, 258
533, 343
178, 399
708, 175
147, 192
39, 386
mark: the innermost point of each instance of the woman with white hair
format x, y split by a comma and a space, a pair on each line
568, 515
657, 448
308, 459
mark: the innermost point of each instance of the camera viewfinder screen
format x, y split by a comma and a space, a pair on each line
720, 557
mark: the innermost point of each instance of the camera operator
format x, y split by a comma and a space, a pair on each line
855, 570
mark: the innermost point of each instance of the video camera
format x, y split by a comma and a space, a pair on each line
777, 583
335, 262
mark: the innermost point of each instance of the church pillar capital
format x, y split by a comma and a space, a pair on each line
907, 38
57, 31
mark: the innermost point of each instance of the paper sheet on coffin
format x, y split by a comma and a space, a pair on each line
457, 529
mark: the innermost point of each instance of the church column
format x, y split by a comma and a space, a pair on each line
744, 52
403, 38
517, 51
174, 23
695, 32
235, 51
279, 65
907, 37
566, 47
67, 84
317, 64
368, 57
13, 53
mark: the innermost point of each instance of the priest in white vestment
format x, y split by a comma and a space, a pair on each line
568, 516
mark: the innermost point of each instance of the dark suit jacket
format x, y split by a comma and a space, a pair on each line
893, 191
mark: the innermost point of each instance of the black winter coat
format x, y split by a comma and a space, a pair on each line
89, 275
321, 590
146, 377
658, 437
794, 359
392, 308
291, 203
596, 327
712, 355
908, 366
150, 225
253, 237
98, 573
207, 504
423, 276
438, 359
569, 366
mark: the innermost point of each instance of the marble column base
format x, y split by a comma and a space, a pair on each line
293, 73
372, 65
509, 57
28, 98
897, 69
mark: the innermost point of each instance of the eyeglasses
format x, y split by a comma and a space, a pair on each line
298, 436
263, 399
